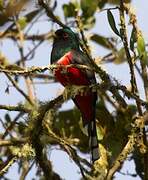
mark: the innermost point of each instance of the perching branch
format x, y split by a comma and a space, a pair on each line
105, 77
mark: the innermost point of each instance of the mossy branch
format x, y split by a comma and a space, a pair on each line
20, 108
4, 168
128, 148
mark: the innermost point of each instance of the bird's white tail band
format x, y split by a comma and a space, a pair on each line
93, 140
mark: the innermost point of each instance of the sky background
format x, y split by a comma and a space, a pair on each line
61, 162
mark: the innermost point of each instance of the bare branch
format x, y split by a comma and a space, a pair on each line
49, 13
19, 90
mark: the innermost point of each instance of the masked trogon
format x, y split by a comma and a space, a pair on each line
66, 51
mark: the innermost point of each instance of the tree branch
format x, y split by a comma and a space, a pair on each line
125, 43
19, 90
5, 166
13, 142
20, 107
50, 14
128, 148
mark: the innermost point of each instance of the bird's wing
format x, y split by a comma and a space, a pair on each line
80, 58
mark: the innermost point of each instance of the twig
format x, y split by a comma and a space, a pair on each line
71, 152
46, 77
106, 9
132, 95
12, 124
13, 142
40, 37
4, 168
125, 43
28, 71
26, 170
15, 108
30, 53
21, 50
19, 89
49, 13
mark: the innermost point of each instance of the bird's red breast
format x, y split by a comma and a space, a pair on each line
75, 76
70, 75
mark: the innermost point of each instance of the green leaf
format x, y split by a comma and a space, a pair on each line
89, 22
100, 132
1, 5
102, 3
120, 56
22, 21
133, 39
7, 118
141, 49
89, 7
117, 57
31, 15
101, 40
112, 23
69, 10
140, 45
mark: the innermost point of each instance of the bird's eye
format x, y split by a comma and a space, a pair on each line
65, 35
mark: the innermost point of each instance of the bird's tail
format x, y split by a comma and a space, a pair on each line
93, 140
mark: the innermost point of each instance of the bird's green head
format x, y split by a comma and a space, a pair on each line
64, 40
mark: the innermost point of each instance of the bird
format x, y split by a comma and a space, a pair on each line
66, 51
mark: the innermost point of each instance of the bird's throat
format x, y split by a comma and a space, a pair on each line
58, 53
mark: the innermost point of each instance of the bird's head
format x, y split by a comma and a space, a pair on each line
67, 37
64, 40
